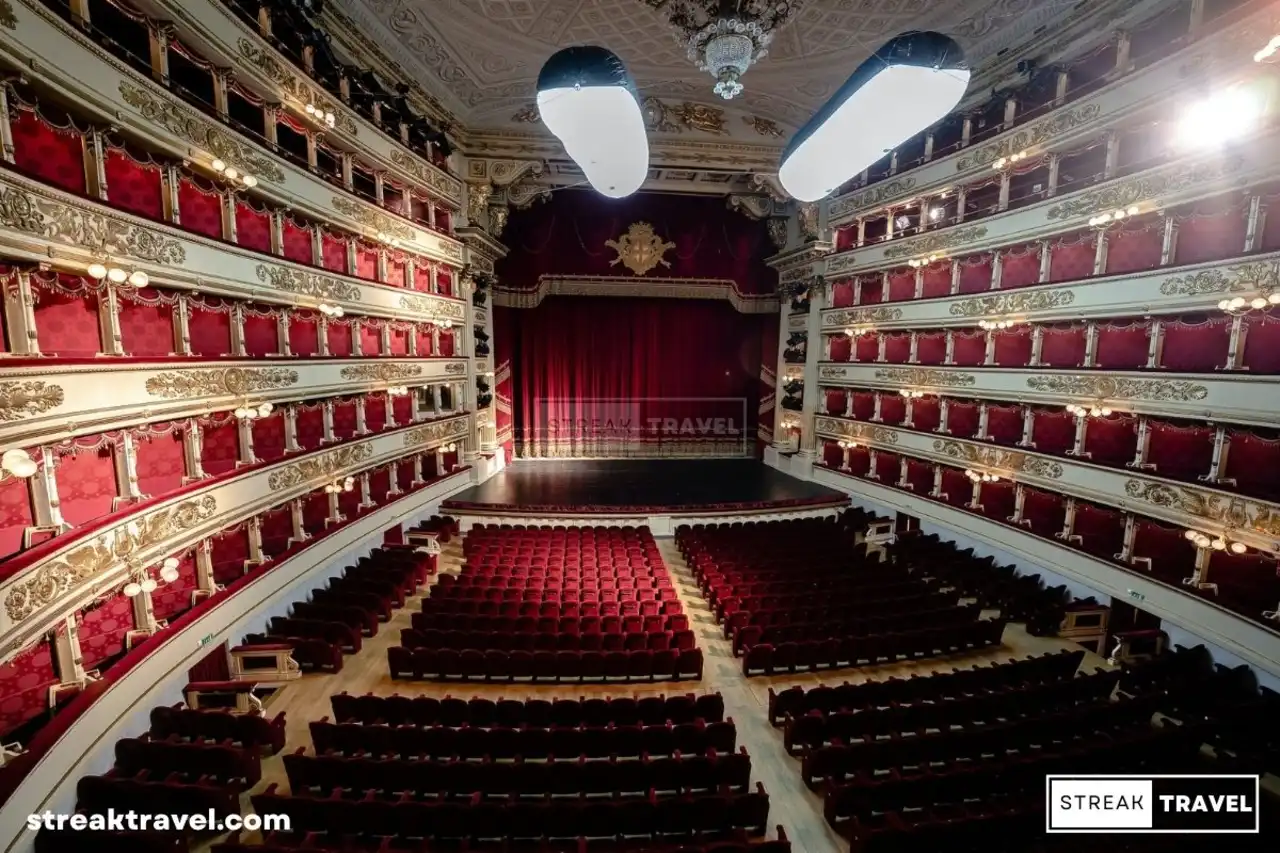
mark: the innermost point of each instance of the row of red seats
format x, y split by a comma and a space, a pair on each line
485, 712
569, 641
549, 624
724, 842
220, 762
474, 743
679, 773
1050, 666
154, 794
248, 730
823, 612
312, 654
606, 579
473, 664
838, 761
335, 633
815, 729
853, 601
519, 567
887, 584
650, 816
857, 626
518, 593
561, 609
354, 616
68, 840
867, 651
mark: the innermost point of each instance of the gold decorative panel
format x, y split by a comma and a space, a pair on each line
435, 433
856, 431
924, 376
640, 249
219, 382
1223, 510
940, 242
381, 372
1118, 388
443, 309
862, 316
1037, 133
999, 460
869, 197
1240, 278
317, 468
363, 213
1012, 303
80, 227
294, 85
1121, 194
20, 400
307, 283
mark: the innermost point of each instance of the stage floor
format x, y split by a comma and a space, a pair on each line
636, 486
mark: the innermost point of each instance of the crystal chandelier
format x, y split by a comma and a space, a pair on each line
724, 37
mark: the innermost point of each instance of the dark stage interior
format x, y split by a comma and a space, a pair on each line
583, 486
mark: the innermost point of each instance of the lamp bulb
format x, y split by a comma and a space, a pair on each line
250, 181
1219, 545
137, 278
218, 165
1238, 548
1258, 303
148, 585
131, 589
168, 574
117, 275
97, 271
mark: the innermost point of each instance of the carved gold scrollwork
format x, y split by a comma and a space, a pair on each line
307, 283
20, 400
219, 382
1144, 189
1000, 460
1112, 388
436, 432
320, 467
363, 213
82, 228
1033, 134
1012, 303
1225, 510
1239, 278
860, 316
640, 249
445, 309
940, 242
856, 431
381, 372
872, 196
430, 176
925, 376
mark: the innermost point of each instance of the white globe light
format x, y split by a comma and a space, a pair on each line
1258, 303
98, 271
911, 82
241, 412
1238, 548
1219, 545
1190, 535
168, 574
149, 585
1274, 298
117, 275
266, 409
250, 181
131, 589
230, 174
588, 100
137, 278
218, 165
1238, 302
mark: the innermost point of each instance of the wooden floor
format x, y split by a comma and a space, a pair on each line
792, 804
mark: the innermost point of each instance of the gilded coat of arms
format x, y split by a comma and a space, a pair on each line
640, 250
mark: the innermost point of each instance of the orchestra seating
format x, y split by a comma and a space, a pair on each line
480, 711
804, 594
552, 604
332, 624
281, 843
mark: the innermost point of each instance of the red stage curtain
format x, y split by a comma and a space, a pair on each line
304, 334
962, 419
1196, 347
221, 448
1111, 441
102, 630
1013, 347
841, 347
333, 252
25, 680
261, 334
1045, 511
371, 336
1182, 453
210, 331
171, 599
931, 348
835, 401
842, 294
268, 437
859, 461
67, 323
1101, 529
338, 333
1004, 424
1172, 556
956, 487
344, 419
1247, 583
375, 412
402, 410
1262, 341
970, 348
975, 273
146, 323
1135, 247
133, 186
366, 261
998, 500
902, 284
310, 426
161, 463
864, 405
888, 467
86, 485
1213, 229
1254, 463
1063, 347
893, 408
200, 209
925, 414
1072, 257
1020, 267
1053, 431
253, 226
1123, 347
396, 269
52, 154
897, 347
296, 241
937, 280
15, 514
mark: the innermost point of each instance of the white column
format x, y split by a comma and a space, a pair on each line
1037, 346
1235, 348
1169, 241
949, 353
44, 493
989, 349
1155, 343
362, 426
918, 293
182, 326
295, 517
944, 415
1019, 504
1082, 430
254, 532
826, 347
109, 322
322, 335
882, 341
875, 414
192, 450
1068, 521
1046, 262
997, 269
386, 337
936, 491
357, 339
244, 429
439, 451
326, 421
984, 416
1218, 464
1111, 167
237, 330
848, 402
909, 413
435, 340
913, 353
1055, 170
1028, 427
335, 510
1130, 535
19, 307
437, 399
283, 346
955, 276
872, 474
1005, 183
418, 479
1100, 253
1090, 345
205, 584
975, 498
1144, 444
884, 287
125, 457
144, 615
393, 472
67, 657
903, 482
366, 497
291, 429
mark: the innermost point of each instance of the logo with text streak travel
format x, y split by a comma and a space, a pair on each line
1152, 804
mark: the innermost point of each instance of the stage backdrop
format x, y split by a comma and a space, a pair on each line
653, 371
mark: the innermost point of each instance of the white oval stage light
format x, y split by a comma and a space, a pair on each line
908, 84
588, 100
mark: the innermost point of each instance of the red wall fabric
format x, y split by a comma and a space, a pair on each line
1182, 453
261, 335
975, 273
86, 485
1013, 347
24, 685
1262, 342
1123, 347
396, 270
375, 412
15, 514
931, 349
200, 210
937, 280
171, 599
866, 348
333, 252
296, 241
1053, 432
897, 347
132, 186
230, 550
925, 414
366, 261
268, 437
344, 419
1111, 441
969, 350
962, 419
1004, 424
902, 285
102, 630
146, 329
253, 227
573, 356
371, 336
1072, 258
1198, 347
1254, 463
1020, 267
220, 449
210, 332
161, 464
52, 154
310, 427
304, 338
339, 337
67, 323
1134, 249
1062, 347
1045, 511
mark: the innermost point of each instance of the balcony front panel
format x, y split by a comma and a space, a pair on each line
258, 63
1188, 179
51, 401
1254, 522
39, 223
1170, 290
1225, 54
1227, 397
39, 590
1248, 640
104, 86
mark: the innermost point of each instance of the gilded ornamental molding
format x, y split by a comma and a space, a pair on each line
1036, 133
648, 287
306, 283
436, 306
940, 242
371, 218
863, 316
191, 126
1117, 388
857, 431
295, 85
80, 226
1012, 303
20, 400
435, 432
925, 377
1226, 511
381, 372
998, 459
872, 196
447, 185
318, 468
107, 550
1146, 188
219, 382
7, 19
1237, 278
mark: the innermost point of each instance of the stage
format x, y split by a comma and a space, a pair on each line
634, 488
